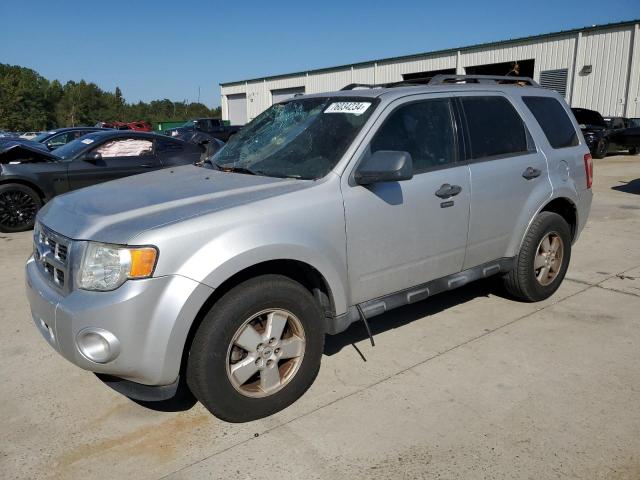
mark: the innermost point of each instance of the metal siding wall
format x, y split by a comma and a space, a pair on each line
633, 97
604, 89
548, 54
364, 74
258, 99
328, 81
393, 71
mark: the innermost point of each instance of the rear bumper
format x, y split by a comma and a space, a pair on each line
150, 320
583, 209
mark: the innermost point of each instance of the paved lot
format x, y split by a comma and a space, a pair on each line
467, 385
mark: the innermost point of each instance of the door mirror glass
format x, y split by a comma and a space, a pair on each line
385, 166
93, 157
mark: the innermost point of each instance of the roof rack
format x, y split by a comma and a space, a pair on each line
402, 83
362, 86
442, 79
447, 79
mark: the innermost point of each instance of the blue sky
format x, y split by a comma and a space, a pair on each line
166, 49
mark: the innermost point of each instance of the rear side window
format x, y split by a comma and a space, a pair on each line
425, 130
494, 127
553, 120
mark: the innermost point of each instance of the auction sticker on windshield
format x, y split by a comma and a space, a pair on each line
355, 108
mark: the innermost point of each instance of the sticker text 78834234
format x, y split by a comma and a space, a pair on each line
355, 108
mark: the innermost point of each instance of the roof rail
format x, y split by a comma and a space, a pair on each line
447, 79
401, 83
442, 79
361, 86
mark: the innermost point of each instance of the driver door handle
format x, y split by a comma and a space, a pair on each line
530, 173
448, 191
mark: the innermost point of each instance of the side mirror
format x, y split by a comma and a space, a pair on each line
385, 166
93, 157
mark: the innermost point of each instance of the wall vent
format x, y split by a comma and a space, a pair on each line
555, 80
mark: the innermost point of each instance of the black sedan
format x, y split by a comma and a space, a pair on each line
29, 176
52, 139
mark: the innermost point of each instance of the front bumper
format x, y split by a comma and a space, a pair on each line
150, 318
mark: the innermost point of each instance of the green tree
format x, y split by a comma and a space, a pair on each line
23, 99
28, 101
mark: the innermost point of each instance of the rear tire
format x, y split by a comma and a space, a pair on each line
19, 206
237, 351
634, 150
601, 149
542, 262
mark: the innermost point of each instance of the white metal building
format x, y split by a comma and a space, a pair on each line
593, 67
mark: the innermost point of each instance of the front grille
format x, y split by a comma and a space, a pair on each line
51, 252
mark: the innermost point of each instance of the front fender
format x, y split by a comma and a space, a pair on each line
332, 273
211, 259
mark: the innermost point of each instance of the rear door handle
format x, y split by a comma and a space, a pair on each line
530, 173
448, 191
148, 165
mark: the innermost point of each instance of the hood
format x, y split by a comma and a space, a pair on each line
24, 152
117, 211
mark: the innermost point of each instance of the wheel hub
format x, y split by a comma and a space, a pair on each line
265, 353
16, 209
548, 259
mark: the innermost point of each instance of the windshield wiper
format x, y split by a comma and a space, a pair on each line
244, 170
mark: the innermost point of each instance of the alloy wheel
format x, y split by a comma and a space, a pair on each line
17, 209
265, 353
548, 259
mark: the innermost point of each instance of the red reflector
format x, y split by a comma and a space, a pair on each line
588, 168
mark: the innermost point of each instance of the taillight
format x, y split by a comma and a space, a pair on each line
588, 169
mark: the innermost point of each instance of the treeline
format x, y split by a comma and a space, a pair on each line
28, 101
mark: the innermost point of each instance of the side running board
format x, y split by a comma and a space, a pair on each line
378, 306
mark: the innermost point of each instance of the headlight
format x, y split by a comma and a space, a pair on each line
106, 267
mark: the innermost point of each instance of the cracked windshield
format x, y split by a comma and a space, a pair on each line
302, 138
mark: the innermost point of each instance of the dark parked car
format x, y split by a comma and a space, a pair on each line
211, 126
594, 130
51, 139
623, 135
5, 135
607, 134
140, 126
29, 177
209, 143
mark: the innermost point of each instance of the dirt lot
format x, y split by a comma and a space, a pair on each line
467, 385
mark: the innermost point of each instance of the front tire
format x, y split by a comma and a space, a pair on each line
634, 150
19, 206
257, 350
542, 262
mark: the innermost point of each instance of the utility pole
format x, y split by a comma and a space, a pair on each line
198, 93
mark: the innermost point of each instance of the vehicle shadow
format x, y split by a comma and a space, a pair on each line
410, 313
182, 401
632, 187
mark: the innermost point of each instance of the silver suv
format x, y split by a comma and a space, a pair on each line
325, 210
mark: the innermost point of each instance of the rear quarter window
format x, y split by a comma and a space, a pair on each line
494, 127
553, 120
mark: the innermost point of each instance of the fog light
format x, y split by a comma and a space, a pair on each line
98, 345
